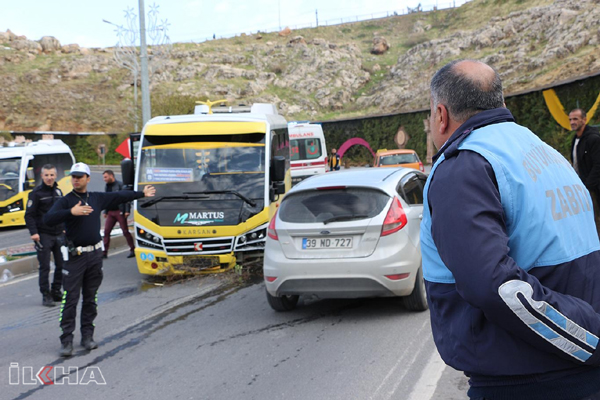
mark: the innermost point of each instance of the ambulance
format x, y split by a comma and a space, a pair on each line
21, 170
308, 150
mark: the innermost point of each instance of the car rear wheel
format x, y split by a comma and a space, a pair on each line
282, 303
417, 300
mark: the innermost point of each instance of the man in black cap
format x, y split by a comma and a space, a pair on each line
80, 211
48, 239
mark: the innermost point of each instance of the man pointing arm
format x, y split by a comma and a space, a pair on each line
80, 211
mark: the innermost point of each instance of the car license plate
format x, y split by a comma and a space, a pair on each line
196, 263
326, 243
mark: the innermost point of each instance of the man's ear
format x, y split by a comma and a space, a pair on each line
441, 113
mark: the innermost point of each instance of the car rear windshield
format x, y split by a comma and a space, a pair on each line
394, 159
322, 205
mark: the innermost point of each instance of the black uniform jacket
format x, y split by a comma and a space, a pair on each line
85, 230
41, 199
588, 158
115, 187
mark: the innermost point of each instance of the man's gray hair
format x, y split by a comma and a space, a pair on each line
464, 96
581, 110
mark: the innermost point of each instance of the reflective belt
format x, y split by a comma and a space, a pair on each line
87, 249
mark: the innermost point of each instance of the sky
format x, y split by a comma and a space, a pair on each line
81, 21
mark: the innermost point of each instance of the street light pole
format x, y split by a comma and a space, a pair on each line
146, 113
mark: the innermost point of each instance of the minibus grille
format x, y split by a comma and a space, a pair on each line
198, 246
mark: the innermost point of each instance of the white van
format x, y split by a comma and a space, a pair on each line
308, 150
21, 170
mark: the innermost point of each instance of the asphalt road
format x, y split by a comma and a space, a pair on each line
14, 236
215, 337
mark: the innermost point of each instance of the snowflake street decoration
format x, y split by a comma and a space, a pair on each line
127, 51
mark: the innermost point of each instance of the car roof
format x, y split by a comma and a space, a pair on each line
364, 177
397, 151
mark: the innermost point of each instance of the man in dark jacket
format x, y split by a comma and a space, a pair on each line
80, 210
48, 239
116, 213
585, 156
511, 258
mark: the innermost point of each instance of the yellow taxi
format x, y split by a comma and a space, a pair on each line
398, 158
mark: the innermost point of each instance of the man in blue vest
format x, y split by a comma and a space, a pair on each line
511, 257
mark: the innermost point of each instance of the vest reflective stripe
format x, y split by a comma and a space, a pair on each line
539, 191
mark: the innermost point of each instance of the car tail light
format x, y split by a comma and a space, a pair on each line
395, 218
270, 278
397, 277
271, 231
421, 168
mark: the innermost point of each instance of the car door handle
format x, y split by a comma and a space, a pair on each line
421, 217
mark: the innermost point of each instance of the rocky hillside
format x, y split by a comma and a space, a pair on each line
364, 68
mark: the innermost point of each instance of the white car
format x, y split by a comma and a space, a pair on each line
350, 234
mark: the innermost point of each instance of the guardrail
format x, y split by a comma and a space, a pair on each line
431, 6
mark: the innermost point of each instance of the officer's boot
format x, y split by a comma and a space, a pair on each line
47, 300
66, 349
88, 343
57, 294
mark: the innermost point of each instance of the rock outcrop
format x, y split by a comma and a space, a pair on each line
49, 44
523, 46
380, 45
314, 75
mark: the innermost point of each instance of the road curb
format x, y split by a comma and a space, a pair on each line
27, 265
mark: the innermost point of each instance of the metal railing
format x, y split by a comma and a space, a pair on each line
431, 6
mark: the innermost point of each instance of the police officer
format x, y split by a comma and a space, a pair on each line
510, 252
48, 239
80, 211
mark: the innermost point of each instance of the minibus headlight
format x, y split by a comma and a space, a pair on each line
16, 206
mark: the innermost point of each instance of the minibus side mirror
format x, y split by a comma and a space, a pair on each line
278, 169
276, 189
127, 172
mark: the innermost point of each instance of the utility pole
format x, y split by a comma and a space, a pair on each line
146, 113
279, 8
317, 16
